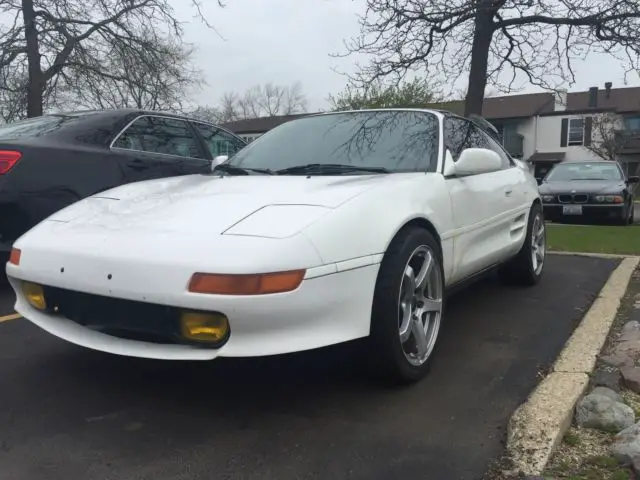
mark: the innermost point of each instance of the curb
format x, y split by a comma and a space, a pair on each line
537, 426
592, 254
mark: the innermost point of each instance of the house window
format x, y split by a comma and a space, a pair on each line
576, 132
632, 123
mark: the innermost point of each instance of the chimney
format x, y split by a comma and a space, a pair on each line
593, 97
560, 100
607, 87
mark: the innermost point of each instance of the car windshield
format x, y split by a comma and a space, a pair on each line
584, 171
37, 126
384, 140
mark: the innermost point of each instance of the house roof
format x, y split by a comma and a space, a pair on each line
260, 124
621, 100
546, 157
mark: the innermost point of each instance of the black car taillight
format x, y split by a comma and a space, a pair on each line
8, 158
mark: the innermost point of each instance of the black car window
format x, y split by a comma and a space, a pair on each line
460, 134
496, 147
168, 136
396, 140
38, 126
218, 141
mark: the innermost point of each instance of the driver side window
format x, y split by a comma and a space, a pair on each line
460, 134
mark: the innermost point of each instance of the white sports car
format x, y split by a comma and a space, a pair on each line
329, 228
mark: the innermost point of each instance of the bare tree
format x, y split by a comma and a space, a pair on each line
605, 143
267, 100
206, 113
536, 41
155, 79
63, 46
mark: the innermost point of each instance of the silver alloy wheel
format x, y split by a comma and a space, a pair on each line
538, 244
420, 305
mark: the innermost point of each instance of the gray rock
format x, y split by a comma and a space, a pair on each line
631, 378
630, 332
626, 445
606, 392
630, 348
603, 413
618, 359
610, 379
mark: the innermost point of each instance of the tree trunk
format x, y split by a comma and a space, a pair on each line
483, 33
35, 88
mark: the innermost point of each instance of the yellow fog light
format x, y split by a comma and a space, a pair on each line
34, 295
204, 327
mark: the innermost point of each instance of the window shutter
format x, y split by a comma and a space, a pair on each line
564, 131
588, 126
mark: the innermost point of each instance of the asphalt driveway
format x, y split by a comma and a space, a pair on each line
69, 413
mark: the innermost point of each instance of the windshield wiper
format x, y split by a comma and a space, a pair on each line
233, 169
328, 168
587, 179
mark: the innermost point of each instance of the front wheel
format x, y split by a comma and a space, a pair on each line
527, 266
407, 306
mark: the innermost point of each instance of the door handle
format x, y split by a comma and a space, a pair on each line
508, 192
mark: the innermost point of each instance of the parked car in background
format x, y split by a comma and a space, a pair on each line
49, 162
588, 191
327, 229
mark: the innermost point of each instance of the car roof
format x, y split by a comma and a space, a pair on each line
99, 125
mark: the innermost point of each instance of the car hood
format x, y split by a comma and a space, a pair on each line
208, 204
583, 186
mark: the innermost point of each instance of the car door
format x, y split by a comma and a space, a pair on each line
516, 199
157, 147
217, 140
481, 204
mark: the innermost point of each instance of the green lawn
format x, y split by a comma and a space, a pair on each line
594, 239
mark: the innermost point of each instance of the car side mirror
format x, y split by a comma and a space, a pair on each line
218, 160
474, 161
633, 179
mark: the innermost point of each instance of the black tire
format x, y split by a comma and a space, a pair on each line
388, 358
631, 214
520, 269
623, 219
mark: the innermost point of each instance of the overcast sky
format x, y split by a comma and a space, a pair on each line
284, 41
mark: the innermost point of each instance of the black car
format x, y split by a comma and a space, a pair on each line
49, 162
588, 190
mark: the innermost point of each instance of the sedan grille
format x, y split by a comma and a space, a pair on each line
573, 198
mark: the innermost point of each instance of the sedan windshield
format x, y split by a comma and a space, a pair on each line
584, 171
351, 142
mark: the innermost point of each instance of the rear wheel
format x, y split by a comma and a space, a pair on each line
527, 266
407, 306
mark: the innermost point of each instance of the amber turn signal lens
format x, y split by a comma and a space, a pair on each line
34, 295
204, 327
258, 284
14, 256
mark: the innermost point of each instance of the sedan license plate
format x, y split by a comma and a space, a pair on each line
572, 210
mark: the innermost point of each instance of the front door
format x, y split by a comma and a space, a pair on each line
484, 205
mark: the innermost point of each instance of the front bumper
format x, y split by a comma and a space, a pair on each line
324, 310
589, 211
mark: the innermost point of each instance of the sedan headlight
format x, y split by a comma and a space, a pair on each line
547, 198
609, 198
